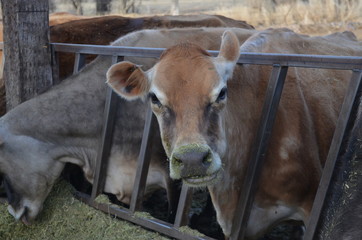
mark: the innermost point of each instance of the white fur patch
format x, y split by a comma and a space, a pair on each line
16, 214
224, 68
216, 91
159, 94
288, 144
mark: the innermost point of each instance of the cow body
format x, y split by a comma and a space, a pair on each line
106, 29
208, 114
63, 125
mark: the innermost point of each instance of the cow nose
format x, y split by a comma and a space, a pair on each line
192, 161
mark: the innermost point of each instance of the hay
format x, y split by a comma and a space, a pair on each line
64, 217
190, 231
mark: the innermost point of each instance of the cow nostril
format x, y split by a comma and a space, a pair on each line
207, 160
177, 160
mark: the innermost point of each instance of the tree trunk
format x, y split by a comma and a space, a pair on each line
175, 7
103, 6
77, 4
27, 69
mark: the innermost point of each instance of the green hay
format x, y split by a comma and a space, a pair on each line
187, 230
64, 217
143, 215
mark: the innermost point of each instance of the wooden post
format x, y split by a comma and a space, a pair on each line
27, 69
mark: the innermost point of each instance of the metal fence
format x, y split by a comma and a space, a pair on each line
280, 64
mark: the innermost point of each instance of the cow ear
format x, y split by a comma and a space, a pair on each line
128, 80
228, 55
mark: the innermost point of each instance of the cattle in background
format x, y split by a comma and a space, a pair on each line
106, 29
64, 124
63, 17
208, 111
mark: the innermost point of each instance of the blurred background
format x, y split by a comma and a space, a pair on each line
312, 17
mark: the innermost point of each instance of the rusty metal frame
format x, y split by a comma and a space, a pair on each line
280, 63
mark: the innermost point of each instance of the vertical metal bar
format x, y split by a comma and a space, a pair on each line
246, 198
55, 65
183, 207
79, 62
2, 58
143, 162
110, 111
350, 102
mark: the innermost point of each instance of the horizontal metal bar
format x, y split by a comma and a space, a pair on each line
302, 60
153, 224
290, 60
109, 50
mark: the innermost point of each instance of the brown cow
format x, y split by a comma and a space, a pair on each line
208, 110
63, 17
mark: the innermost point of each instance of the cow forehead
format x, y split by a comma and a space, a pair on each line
192, 74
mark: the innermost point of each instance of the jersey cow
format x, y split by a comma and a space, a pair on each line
64, 124
208, 109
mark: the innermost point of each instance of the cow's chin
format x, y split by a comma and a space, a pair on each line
203, 181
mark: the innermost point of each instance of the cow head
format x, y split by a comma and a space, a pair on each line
187, 90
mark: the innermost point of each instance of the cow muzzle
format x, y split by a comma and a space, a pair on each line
195, 164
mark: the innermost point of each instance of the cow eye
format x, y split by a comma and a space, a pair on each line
222, 95
154, 99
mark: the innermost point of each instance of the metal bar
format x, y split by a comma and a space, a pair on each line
153, 224
110, 111
3, 57
350, 102
55, 65
246, 198
79, 62
109, 50
183, 207
143, 162
302, 60
291, 60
